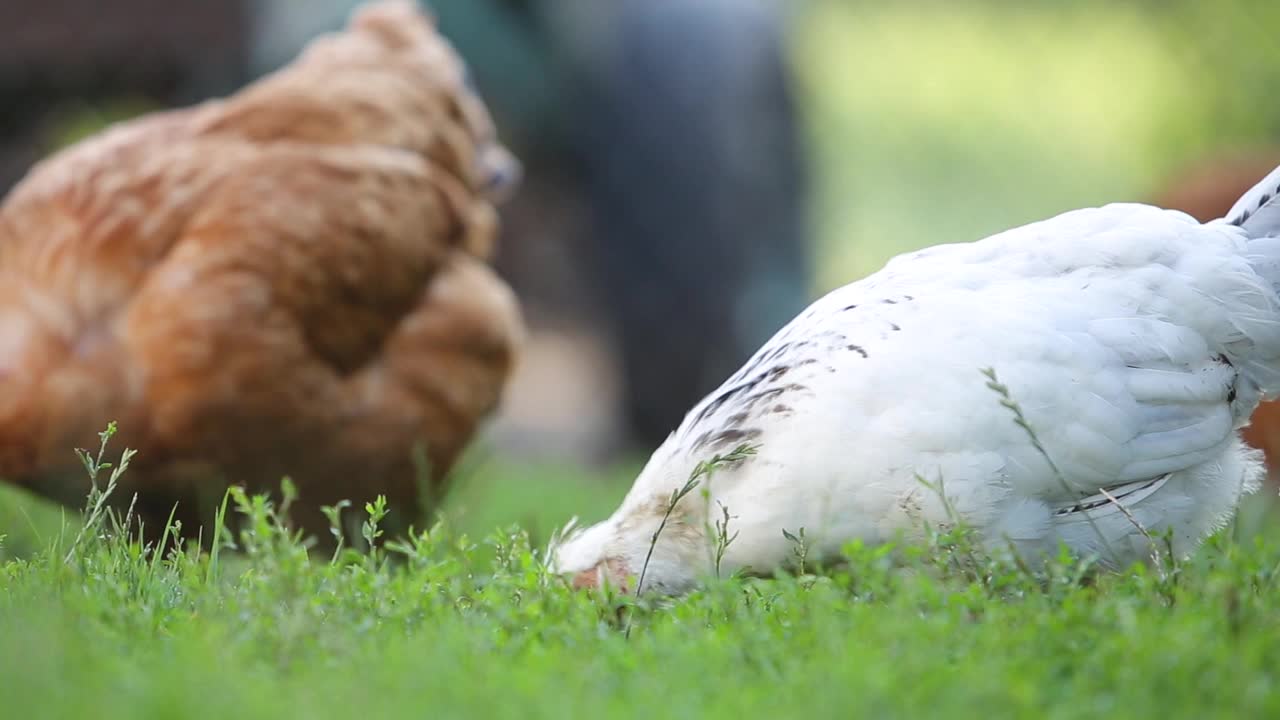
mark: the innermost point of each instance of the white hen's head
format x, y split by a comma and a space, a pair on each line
659, 539
648, 546
618, 553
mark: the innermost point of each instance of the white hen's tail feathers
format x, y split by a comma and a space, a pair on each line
1258, 211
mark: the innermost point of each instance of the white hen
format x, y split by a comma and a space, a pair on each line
1136, 340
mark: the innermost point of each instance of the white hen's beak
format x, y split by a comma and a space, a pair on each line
578, 555
612, 572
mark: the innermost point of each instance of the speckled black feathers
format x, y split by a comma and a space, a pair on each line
769, 386
1258, 211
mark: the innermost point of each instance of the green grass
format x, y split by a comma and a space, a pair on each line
444, 625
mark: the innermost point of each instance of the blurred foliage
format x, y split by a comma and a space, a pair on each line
941, 122
81, 120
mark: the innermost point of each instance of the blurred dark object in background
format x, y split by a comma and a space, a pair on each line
1206, 190
667, 133
690, 153
59, 57
659, 238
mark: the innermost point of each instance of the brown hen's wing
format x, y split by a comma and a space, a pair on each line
77, 239
288, 332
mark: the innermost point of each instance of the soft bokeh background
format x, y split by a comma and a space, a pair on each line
916, 122
940, 122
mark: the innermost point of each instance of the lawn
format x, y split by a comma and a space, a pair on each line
448, 624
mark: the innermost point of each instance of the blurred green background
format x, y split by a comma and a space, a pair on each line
947, 121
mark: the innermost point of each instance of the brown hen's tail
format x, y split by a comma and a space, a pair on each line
59, 387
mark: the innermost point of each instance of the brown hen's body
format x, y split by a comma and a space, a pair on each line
1206, 191
292, 281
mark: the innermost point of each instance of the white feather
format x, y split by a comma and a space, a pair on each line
1258, 211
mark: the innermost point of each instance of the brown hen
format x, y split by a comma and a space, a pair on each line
291, 281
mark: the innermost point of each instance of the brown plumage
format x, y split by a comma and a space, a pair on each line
291, 281
1206, 191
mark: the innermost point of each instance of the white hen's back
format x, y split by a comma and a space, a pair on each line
1134, 340
1133, 343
